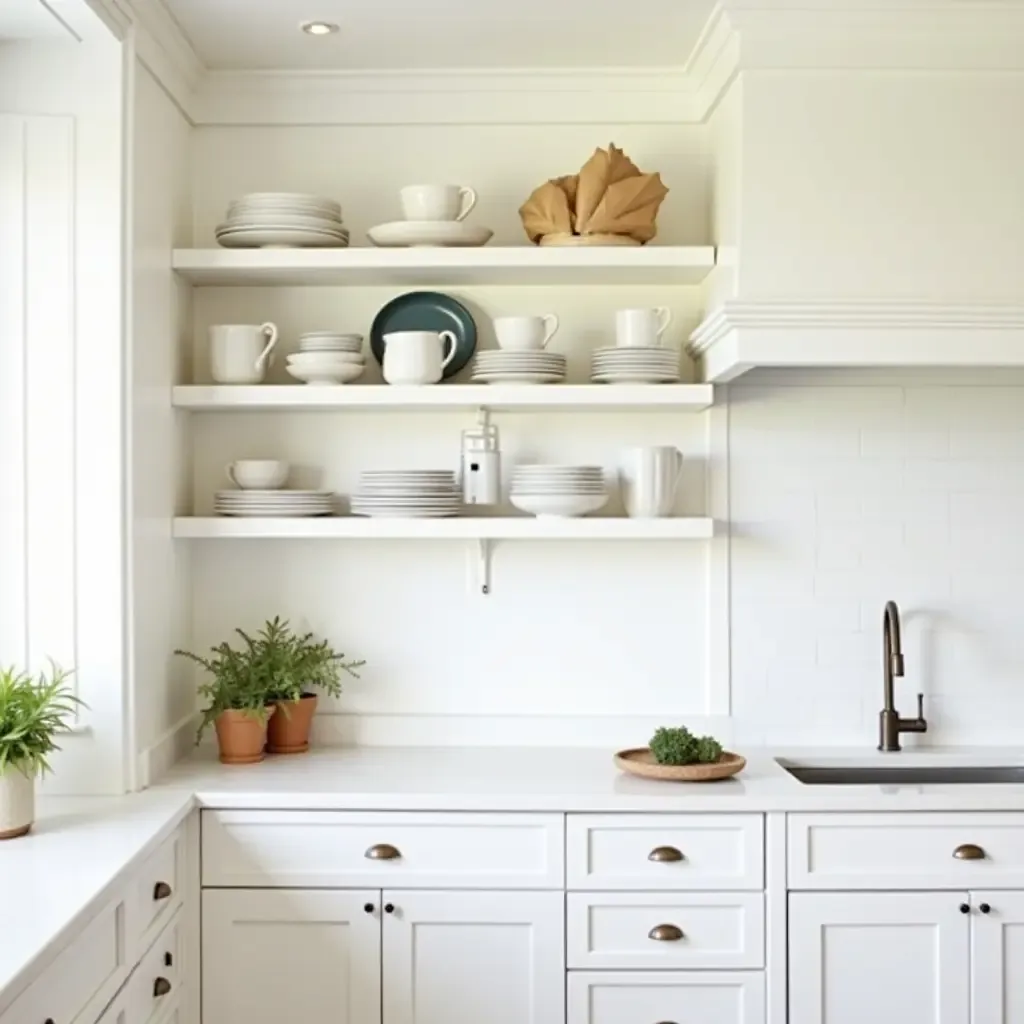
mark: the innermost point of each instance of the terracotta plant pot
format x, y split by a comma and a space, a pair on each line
17, 803
288, 732
241, 737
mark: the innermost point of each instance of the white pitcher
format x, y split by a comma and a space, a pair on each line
650, 477
417, 357
241, 353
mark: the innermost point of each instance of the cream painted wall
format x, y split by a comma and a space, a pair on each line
882, 185
161, 309
61, 398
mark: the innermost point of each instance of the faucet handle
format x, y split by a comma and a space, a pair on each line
920, 707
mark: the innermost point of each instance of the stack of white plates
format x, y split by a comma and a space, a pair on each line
418, 493
282, 220
503, 365
328, 357
558, 491
626, 365
274, 503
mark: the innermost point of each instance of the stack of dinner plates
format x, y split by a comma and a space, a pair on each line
634, 365
282, 220
558, 491
501, 365
274, 503
417, 493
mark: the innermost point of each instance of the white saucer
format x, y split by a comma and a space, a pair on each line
290, 238
433, 233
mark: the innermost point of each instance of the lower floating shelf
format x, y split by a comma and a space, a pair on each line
461, 528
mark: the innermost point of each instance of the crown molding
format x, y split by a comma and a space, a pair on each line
472, 96
742, 336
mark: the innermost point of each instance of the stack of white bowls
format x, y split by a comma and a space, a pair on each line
416, 493
623, 364
328, 357
560, 492
282, 220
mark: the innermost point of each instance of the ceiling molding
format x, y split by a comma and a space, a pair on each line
557, 96
742, 336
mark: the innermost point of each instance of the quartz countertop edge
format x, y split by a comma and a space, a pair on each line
60, 875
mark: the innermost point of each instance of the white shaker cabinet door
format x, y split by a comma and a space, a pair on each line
467, 957
878, 957
276, 955
997, 958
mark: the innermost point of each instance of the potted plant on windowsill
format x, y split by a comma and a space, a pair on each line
236, 695
297, 664
32, 713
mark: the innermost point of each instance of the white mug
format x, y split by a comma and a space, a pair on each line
437, 202
241, 353
641, 328
522, 333
417, 357
649, 478
258, 474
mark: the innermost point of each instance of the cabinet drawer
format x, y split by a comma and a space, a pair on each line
84, 976
157, 888
307, 849
665, 851
156, 982
905, 851
665, 930
723, 997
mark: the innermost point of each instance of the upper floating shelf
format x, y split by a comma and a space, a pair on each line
521, 264
498, 397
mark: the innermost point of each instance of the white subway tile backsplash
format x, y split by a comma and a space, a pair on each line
843, 497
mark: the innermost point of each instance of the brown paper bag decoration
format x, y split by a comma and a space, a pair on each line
609, 196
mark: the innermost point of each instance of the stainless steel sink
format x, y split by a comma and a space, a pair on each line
895, 775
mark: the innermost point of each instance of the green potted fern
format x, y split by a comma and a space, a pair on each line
32, 712
297, 665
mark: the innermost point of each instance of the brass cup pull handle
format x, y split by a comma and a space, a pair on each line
161, 987
968, 851
665, 933
665, 854
382, 851
162, 891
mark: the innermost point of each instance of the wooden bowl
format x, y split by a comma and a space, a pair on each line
640, 761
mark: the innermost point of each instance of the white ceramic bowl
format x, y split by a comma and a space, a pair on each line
258, 474
310, 359
558, 506
340, 373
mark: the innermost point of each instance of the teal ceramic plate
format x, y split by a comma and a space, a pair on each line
426, 311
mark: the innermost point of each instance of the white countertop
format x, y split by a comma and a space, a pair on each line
56, 878
544, 779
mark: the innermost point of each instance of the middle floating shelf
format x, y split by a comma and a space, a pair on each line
458, 528
507, 397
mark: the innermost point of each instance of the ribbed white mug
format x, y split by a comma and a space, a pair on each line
241, 353
649, 479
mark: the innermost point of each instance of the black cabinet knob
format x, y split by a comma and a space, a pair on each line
368, 907
389, 908
985, 908
965, 908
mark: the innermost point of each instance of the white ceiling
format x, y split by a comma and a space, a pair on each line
29, 19
417, 34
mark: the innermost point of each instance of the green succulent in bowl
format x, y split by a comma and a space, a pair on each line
679, 746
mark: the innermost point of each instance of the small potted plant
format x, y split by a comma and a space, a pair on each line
296, 665
237, 699
32, 713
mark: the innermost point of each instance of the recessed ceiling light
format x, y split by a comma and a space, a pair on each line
319, 28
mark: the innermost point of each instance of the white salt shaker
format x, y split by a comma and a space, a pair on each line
481, 466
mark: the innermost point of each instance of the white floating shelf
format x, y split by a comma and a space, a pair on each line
498, 397
463, 528
521, 264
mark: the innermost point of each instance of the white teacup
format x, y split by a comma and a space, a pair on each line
522, 333
258, 474
641, 328
241, 353
437, 202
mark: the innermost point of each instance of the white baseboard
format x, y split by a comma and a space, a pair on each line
171, 746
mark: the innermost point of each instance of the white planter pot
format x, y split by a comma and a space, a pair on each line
17, 803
